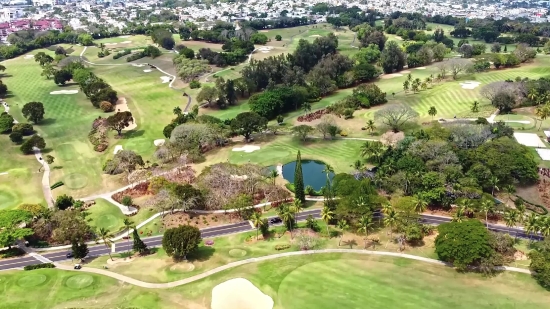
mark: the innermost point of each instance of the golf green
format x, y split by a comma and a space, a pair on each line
237, 252
31, 280
79, 281
75, 180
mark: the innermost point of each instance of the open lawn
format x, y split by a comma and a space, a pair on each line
313, 281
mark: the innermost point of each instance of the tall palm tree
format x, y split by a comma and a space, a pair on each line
532, 225
343, 226
467, 205
420, 205
106, 236
511, 218
533, 94
357, 165
432, 112
475, 107
494, 184
365, 222
328, 170
390, 219
370, 126
297, 206
287, 215
306, 107
327, 215
486, 206
372, 150
128, 226
386, 207
510, 189
542, 112
257, 221
273, 174
544, 226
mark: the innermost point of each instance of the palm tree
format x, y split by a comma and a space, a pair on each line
128, 226
542, 112
459, 215
365, 222
177, 111
475, 107
327, 215
511, 218
409, 77
486, 206
106, 236
386, 207
287, 215
510, 189
532, 225
406, 85
390, 218
420, 205
423, 85
328, 170
257, 221
297, 206
370, 126
533, 94
306, 107
432, 112
357, 165
372, 149
544, 226
494, 184
273, 174
343, 226
467, 205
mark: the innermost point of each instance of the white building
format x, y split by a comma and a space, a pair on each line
9, 14
51, 3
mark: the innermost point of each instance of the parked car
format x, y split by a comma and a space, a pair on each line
275, 220
70, 255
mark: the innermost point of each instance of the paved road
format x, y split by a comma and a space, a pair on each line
244, 226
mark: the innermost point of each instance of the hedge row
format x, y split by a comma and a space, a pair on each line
122, 53
308, 190
56, 185
281, 247
536, 208
38, 266
135, 56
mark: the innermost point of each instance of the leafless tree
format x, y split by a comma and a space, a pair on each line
467, 135
443, 68
326, 122
489, 91
458, 65
395, 116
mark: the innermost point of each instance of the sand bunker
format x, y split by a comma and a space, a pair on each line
239, 293
405, 72
125, 42
265, 49
421, 68
147, 71
139, 65
117, 149
315, 36
247, 148
64, 92
470, 85
122, 106
28, 57
388, 76
165, 79
108, 44
158, 142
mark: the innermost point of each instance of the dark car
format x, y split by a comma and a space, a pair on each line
69, 255
275, 220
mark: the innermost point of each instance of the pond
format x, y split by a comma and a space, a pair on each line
312, 171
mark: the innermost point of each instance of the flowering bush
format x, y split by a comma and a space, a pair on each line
209, 242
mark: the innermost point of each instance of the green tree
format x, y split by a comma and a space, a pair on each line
139, 245
432, 112
35, 141
420, 205
119, 121
302, 131
278, 37
299, 193
247, 123
365, 224
180, 241
540, 263
64, 201
105, 236
6, 123
79, 249
327, 215
257, 221
370, 126
463, 243
475, 107
128, 226
16, 137
511, 218
33, 111
485, 207
343, 226
127, 201
391, 217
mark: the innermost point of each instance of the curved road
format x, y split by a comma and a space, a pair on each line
240, 227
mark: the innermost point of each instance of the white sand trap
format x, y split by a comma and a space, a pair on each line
247, 148
518, 121
147, 71
421, 68
470, 85
544, 154
388, 76
28, 57
158, 142
529, 139
139, 65
117, 149
125, 42
315, 36
165, 79
4, 173
122, 106
64, 92
239, 293
265, 49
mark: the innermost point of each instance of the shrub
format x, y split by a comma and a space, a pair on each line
209, 242
122, 53
106, 106
100, 147
264, 228
56, 185
309, 190
282, 247
38, 266
127, 201
536, 208
194, 84
343, 133
23, 128
135, 56
64, 201
16, 137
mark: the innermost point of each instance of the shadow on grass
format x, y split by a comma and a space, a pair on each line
202, 254
133, 133
48, 121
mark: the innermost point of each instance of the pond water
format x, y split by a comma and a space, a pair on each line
312, 171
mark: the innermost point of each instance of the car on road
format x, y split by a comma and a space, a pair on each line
70, 255
275, 220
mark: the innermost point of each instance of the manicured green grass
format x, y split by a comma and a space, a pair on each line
105, 215
337, 153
